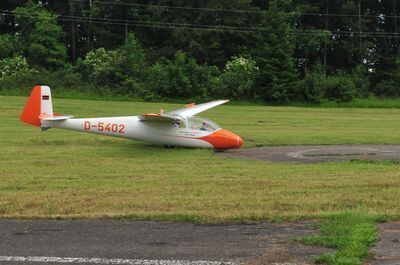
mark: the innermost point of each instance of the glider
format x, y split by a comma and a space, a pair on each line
175, 128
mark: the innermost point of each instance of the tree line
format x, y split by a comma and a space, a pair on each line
277, 51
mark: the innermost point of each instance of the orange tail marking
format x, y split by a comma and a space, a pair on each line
31, 112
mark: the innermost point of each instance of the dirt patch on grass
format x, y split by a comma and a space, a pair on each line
284, 245
317, 154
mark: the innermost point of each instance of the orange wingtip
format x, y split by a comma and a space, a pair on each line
191, 105
152, 115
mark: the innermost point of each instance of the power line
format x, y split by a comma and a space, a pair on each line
237, 10
139, 23
125, 22
206, 27
172, 7
166, 25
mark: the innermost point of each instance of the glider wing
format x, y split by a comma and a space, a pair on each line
192, 109
152, 117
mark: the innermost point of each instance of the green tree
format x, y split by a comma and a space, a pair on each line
182, 78
101, 67
123, 70
189, 28
133, 65
41, 36
9, 46
278, 73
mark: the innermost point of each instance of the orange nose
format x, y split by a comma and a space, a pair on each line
240, 141
223, 139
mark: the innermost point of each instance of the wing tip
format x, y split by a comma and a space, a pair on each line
190, 105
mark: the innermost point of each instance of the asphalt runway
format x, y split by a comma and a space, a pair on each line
137, 242
317, 153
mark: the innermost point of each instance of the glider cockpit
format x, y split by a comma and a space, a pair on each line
197, 123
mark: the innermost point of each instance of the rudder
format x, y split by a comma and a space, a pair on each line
39, 105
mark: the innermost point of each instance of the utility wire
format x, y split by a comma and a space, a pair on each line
144, 24
173, 7
237, 10
166, 25
151, 24
124, 22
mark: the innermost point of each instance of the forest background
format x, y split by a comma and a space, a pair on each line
276, 51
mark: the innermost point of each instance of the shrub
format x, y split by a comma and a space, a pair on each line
123, 70
23, 83
340, 87
182, 78
238, 78
169, 80
101, 67
388, 86
311, 88
14, 67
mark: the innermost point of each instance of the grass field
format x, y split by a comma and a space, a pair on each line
63, 174
59, 173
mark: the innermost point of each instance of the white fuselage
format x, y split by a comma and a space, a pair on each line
131, 127
175, 128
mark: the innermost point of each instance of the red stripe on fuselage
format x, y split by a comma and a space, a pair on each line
220, 139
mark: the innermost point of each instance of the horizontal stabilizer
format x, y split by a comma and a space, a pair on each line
55, 117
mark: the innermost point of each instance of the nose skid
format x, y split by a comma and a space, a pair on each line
240, 141
223, 139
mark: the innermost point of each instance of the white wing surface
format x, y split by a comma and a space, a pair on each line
192, 109
152, 117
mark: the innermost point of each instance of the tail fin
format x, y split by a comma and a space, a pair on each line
38, 110
39, 104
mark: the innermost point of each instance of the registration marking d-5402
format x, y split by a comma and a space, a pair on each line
104, 127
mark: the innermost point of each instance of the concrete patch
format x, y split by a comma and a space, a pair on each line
41, 260
387, 250
317, 154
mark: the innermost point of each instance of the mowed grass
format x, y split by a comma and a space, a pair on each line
64, 174
350, 233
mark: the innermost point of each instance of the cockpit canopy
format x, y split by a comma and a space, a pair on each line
202, 124
198, 123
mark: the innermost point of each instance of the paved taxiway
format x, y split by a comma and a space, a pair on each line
317, 153
136, 242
